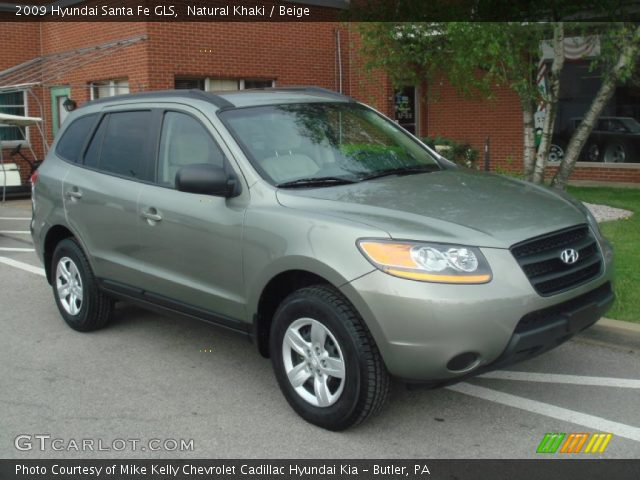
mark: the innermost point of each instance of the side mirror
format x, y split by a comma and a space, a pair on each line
205, 179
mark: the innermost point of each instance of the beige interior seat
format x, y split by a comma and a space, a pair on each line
286, 164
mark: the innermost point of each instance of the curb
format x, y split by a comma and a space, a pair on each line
618, 325
613, 333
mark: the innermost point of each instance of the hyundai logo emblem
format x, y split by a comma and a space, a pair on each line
569, 256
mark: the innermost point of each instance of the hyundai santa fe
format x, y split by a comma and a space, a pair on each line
346, 249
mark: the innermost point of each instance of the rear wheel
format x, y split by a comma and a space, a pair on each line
325, 360
616, 152
82, 305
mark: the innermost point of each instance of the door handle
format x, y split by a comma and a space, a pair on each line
152, 215
74, 193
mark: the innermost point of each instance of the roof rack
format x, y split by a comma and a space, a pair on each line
196, 94
296, 88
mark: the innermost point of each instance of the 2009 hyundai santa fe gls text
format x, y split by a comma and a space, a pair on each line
343, 246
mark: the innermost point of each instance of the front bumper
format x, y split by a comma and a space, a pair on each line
420, 328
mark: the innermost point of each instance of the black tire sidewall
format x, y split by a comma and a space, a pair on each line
69, 248
340, 414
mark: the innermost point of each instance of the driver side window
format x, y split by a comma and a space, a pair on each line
184, 141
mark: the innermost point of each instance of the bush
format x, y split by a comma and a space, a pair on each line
461, 153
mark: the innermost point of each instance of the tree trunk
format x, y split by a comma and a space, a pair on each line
551, 101
627, 60
529, 154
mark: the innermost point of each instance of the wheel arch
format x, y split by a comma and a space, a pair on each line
278, 286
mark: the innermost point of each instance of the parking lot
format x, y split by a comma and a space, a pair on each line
149, 376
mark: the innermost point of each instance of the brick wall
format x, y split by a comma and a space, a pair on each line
447, 113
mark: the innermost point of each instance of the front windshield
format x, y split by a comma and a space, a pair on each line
332, 141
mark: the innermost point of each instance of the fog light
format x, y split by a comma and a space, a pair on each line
462, 362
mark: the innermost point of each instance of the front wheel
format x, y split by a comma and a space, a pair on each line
556, 152
325, 360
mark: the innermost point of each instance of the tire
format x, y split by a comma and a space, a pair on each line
328, 401
85, 308
616, 152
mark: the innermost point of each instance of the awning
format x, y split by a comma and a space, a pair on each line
18, 121
49, 68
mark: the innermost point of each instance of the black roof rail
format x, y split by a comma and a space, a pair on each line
196, 94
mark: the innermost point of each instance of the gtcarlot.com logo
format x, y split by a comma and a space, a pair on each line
44, 442
574, 443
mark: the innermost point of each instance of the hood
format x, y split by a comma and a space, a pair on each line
449, 206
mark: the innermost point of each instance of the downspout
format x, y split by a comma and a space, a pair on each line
339, 54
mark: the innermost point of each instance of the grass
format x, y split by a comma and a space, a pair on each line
625, 237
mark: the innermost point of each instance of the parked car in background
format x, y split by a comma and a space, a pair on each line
613, 140
343, 246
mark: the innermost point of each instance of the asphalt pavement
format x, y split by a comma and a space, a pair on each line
148, 376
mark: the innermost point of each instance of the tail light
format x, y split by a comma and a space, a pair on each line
34, 178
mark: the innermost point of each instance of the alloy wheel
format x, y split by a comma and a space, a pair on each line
69, 285
313, 362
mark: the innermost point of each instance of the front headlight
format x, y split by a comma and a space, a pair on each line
427, 262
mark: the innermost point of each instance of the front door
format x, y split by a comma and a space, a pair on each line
58, 113
405, 108
191, 243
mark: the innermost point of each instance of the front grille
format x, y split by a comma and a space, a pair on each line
540, 259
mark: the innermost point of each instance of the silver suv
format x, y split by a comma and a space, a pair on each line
345, 248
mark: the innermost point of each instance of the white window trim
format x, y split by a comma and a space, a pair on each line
6, 144
241, 82
111, 84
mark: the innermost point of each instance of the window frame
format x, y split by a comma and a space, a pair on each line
152, 144
27, 135
111, 84
240, 81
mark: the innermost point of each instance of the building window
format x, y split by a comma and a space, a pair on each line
245, 84
13, 103
109, 88
189, 83
221, 84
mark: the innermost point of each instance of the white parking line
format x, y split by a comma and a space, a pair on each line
21, 232
591, 421
16, 249
22, 266
15, 218
566, 379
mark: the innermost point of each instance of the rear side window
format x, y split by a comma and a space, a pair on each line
92, 156
122, 144
74, 138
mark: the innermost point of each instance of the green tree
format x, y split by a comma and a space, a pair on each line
476, 56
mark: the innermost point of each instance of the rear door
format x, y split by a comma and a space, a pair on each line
191, 243
101, 192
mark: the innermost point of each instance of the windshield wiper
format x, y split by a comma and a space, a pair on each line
400, 171
315, 182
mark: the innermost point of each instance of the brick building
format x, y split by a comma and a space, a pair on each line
42, 64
